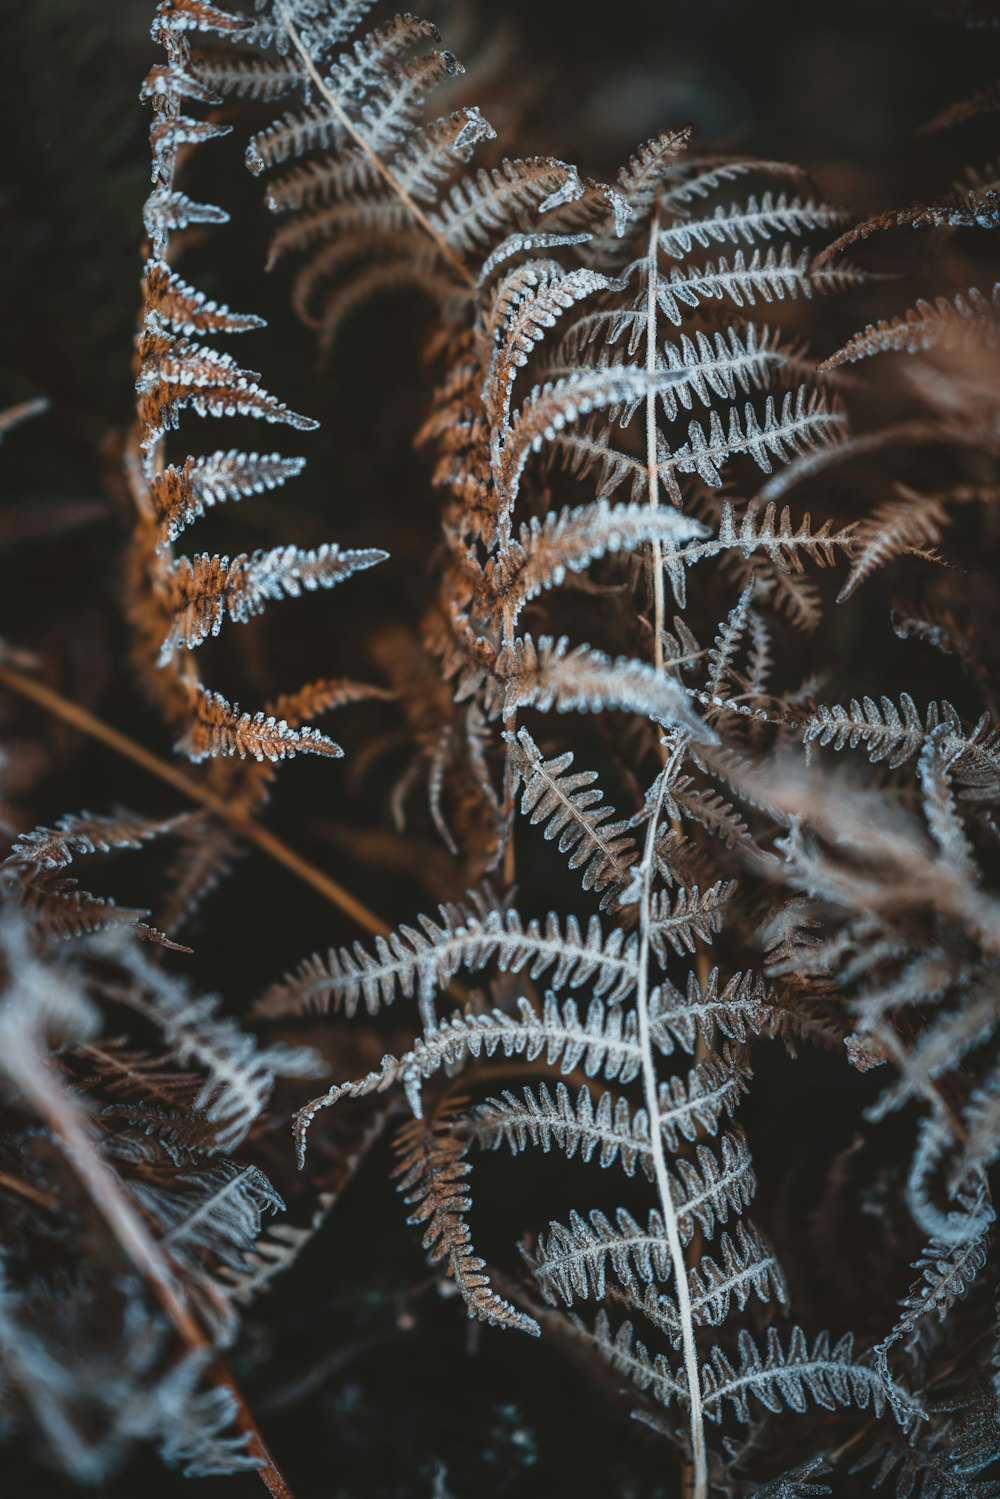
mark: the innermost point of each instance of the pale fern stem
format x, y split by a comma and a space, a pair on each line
699, 1465
652, 468
344, 119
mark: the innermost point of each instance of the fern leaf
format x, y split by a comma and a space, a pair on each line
946, 1271
215, 1210
888, 733
824, 1373
805, 422
628, 1356
432, 1175
174, 375
423, 959
205, 590
959, 211
549, 675
779, 540
181, 495
609, 1130
566, 806
911, 522
220, 728
174, 306
238, 1076
695, 916
569, 541
925, 326
750, 221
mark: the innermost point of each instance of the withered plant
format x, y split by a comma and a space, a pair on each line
680, 541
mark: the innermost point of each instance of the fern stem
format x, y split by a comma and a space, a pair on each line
234, 816
45, 1093
652, 466
348, 124
699, 1486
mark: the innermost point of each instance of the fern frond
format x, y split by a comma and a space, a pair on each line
175, 375
748, 222
927, 325
888, 733
959, 211
806, 421
570, 540
550, 675
237, 1075
215, 1210
181, 495
551, 407
781, 542
911, 522
946, 1271
432, 1175
764, 277
695, 916
747, 1266
573, 1262
739, 1009
220, 728
566, 806
628, 1356
206, 590
609, 1130
603, 1044
424, 959
828, 1374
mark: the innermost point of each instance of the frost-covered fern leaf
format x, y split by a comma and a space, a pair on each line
603, 1044
970, 316
973, 209
806, 420
629, 1356
784, 544
946, 1271
887, 733
423, 960
609, 1130
824, 1373
432, 1175
33, 874
911, 523
175, 604
695, 915
573, 1261
571, 809
573, 1265
372, 189
738, 1009
548, 673
275, 1252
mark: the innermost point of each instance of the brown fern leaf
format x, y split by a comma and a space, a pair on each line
432, 1174
32, 873
969, 315
220, 728
910, 523
982, 101
175, 604
958, 211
